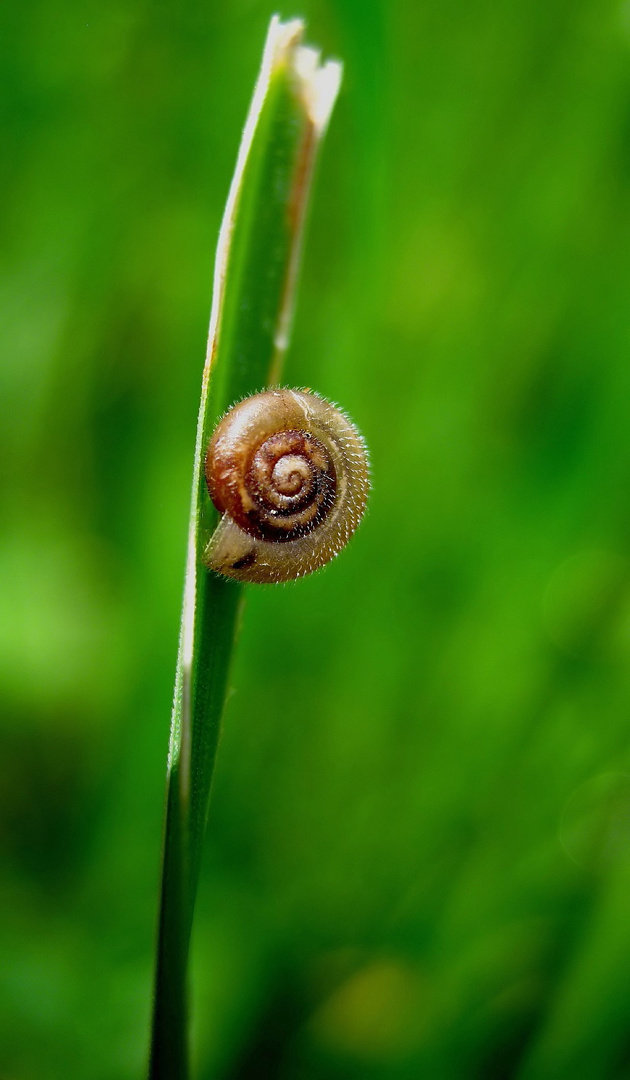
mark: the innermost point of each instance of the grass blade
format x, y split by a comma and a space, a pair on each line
253, 298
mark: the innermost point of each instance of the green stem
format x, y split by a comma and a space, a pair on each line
253, 298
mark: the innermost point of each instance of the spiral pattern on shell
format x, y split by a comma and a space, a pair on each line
289, 473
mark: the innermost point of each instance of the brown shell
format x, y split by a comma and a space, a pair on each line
289, 473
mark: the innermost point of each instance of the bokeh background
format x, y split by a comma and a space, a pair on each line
418, 862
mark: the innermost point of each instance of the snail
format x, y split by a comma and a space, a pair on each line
289, 473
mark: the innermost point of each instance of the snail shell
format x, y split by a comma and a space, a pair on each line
289, 473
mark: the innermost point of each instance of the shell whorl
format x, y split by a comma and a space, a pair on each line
289, 473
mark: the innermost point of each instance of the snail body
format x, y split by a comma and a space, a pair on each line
290, 476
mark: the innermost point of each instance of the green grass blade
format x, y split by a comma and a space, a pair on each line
253, 298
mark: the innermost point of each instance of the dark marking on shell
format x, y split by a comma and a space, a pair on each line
246, 560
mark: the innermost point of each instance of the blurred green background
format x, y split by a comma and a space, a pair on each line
418, 862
